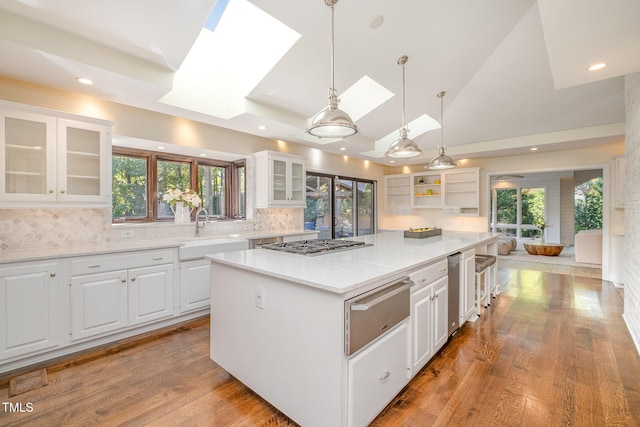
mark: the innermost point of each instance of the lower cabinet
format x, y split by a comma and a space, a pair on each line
109, 301
376, 375
195, 287
468, 289
30, 299
428, 328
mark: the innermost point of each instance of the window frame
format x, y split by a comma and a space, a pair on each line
232, 201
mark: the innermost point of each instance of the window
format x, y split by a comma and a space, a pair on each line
516, 211
339, 207
140, 178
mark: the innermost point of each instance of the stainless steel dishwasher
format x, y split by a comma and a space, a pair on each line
371, 314
453, 262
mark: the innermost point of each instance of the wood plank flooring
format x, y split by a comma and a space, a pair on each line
552, 350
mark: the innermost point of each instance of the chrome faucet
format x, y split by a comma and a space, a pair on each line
204, 221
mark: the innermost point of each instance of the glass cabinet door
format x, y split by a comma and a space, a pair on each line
80, 155
27, 142
297, 182
279, 179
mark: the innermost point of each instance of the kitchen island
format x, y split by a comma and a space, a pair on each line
278, 323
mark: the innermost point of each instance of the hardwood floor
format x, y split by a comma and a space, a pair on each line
551, 350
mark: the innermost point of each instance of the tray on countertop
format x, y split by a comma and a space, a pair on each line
421, 233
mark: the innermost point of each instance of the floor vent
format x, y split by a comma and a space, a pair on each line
27, 382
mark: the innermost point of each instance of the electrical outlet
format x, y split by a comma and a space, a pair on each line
260, 297
6, 227
126, 233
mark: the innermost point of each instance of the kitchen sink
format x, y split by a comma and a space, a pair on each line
194, 249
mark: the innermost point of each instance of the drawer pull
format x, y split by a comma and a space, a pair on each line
385, 376
422, 280
95, 266
124, 280
158, 259
443, 270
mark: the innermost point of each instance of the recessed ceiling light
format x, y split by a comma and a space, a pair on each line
343, 148
262, 127
392, 161
598, 66
203, 155
160, 147
84, 80
533, 148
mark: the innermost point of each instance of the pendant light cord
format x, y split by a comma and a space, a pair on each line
403, 112
333, 88
441, 95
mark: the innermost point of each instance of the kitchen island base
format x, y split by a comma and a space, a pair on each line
291, 351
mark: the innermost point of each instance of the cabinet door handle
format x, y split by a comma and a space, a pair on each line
123, 280
52, 274
133, 279
385, 376
62, 191
50, 191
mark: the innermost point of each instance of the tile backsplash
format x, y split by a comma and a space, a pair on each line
48, 228
44, 228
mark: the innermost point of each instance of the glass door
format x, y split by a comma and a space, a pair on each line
339, 207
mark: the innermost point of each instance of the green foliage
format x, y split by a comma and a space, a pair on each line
507, 205
129, 187
588, 212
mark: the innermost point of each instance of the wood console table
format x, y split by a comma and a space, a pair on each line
548, 249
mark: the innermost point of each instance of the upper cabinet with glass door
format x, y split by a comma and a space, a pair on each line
280, 180
51, 158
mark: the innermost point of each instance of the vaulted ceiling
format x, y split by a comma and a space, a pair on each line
515, 71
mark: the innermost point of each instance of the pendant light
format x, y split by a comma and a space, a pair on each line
441, 161
332, 122
403, 147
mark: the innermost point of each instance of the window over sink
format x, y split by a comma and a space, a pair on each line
141, 177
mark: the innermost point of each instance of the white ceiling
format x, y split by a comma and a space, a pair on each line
514, 70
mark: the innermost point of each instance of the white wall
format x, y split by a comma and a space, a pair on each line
632, 208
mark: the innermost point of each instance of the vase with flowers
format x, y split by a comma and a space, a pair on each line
182, 203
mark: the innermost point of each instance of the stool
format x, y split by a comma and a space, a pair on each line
483, 266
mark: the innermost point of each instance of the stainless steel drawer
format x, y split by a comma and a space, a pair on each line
373, 313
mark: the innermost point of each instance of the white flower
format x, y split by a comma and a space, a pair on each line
176, 195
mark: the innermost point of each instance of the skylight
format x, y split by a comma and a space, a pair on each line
224, 65
417, 127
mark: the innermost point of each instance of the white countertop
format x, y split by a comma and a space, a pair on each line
389, 256
37, 254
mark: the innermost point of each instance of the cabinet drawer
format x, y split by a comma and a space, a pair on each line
429, 274
376, 375
99, 264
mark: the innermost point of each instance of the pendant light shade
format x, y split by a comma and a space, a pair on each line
441, 161
331, 122
403, 147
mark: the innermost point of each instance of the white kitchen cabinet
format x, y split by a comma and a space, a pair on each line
467, 287
105, 298
426, 190
397, 194
30, 308
51, 159
194, 285
376, 375
461, 192
280, 180
428, 327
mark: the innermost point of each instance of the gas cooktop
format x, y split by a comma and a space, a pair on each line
314, 246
